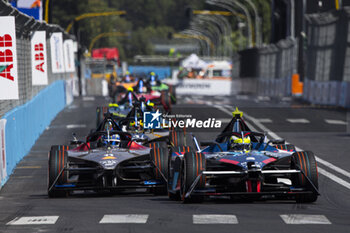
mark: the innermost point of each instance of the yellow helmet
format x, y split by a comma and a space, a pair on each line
235, 139
240, 144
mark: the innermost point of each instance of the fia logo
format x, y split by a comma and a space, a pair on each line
6, 57
152, 120
39, 56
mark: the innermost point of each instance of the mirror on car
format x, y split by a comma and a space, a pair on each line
75, 140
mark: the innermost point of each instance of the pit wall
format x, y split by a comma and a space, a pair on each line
22, 126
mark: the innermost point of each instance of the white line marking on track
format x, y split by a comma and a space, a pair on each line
331, 166
319, 160
75, 126
73, 107
286, 99
335, 122
333, 177
298, 120
214, 219
263, 98
224, 120
305, 219
264, 120
125, 218
242, 97
88, 98
34, 220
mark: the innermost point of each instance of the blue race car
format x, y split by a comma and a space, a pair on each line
241, 163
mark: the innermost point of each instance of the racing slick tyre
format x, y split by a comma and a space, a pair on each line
58, 159
159, 157
179, 138
306, 162
155, 144
193, 164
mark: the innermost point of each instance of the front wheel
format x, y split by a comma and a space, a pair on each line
159, 158
58, 160
194, 164
306, 162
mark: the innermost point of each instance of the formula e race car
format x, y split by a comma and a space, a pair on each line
109, 160
159, 99
242, 164
125, 109
154, 85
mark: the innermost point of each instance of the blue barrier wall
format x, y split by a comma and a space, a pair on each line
25, 123
161, 71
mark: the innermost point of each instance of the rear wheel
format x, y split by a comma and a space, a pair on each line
179, 138
159, 157
58, 160
306, 162
193, 165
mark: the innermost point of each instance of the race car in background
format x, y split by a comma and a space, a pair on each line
128, 107
153, 84
240, 163
159, 99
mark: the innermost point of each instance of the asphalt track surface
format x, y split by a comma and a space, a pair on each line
23, 200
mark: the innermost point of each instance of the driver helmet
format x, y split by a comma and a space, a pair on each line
113, 139
127, 76
153, 80
240, 144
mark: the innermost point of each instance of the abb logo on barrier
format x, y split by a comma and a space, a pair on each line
39, 56
6, 57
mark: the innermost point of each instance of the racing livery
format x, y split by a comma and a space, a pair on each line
244, 164
110, 160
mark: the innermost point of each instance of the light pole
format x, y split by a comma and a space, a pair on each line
105, 34
201, 26
292, 18
222, 31
204, 42
91, 15
239, 18
228, 29
218, 18
230, 6
208, 42
258, 37
200, 32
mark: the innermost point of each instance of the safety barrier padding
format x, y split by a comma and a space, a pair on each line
25, 123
